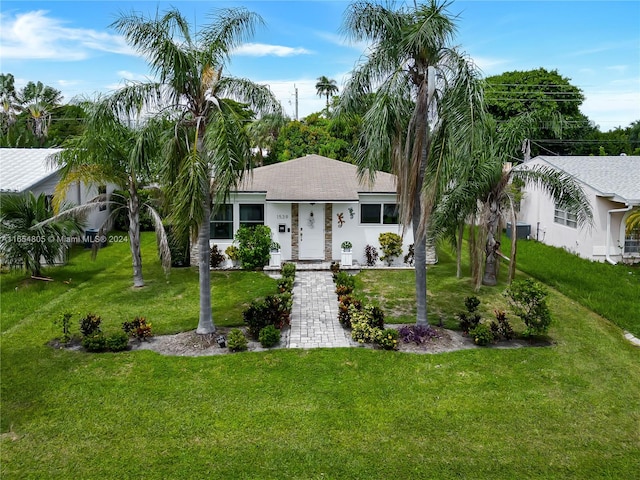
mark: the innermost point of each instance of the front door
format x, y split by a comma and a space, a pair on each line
311, 231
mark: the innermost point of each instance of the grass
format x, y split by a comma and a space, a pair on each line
567, 411
612, 291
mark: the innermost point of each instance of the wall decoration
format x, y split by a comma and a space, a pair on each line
351, 213
340, 219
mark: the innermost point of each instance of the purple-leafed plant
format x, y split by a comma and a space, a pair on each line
418, 334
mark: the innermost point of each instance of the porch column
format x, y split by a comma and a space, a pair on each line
328, 235
295, 233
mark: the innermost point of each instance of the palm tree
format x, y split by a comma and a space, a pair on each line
110, 152
25, 241
9, 100
264, 133
209, 137
39, 100
326, 87
633, 220
423, 85
485, 193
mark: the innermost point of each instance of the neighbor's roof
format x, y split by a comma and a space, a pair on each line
616, 177
314, 178
22, 168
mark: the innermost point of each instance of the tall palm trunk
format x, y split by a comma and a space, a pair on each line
459, 238
134, 234
492, 245
420, 246
205, 322
420, 258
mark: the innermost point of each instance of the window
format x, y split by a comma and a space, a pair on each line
565, 217
251, 214
370, 213
632, 241
377, 213
221, 225
390, 215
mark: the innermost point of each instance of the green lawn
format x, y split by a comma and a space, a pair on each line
566, 411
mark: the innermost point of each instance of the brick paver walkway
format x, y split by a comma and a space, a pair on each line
314, 317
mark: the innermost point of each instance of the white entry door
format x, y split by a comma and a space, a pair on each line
311, 231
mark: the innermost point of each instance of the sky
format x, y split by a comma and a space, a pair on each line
70, 46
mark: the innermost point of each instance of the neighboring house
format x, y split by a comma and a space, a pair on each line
29, 170
612, 185
312, 204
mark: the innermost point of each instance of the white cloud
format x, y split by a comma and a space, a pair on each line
263, 50
612, 108
35, 35
131, 76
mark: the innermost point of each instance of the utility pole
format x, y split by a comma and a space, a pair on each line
296, 93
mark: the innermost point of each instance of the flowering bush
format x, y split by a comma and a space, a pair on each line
387, 339
366, 323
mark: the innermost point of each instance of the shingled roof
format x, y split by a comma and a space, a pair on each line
616, 177
23, 168
314, 178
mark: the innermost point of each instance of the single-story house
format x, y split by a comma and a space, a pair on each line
29, 170
313, 204
612, 185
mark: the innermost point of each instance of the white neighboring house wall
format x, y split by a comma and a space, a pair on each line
604, 241
25, 170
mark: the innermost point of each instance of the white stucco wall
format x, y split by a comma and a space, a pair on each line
360, 235
77, 194
537, 209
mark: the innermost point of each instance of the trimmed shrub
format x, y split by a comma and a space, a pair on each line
391, 246
269, 336
289, 270
501, 328
469, 319
410, 256
117, 342
285, 284
387, 339
236, 341
365, 323
417, 334
343, 278
342, 290
481, 335
344, 313
217, 257
254, 246
232, 252
527, 299
273, 310
371, 255
96, 342
138, 328
90, 325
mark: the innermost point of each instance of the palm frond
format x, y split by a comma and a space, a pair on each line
164, 252
563, 188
